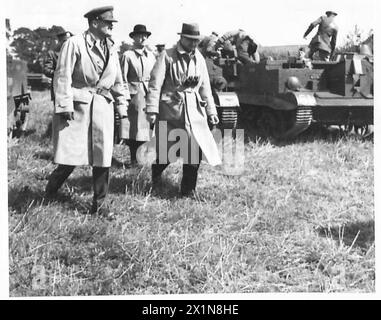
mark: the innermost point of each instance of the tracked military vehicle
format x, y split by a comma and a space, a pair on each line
282, 98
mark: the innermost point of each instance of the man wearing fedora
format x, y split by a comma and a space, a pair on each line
87, 83
324, 42
179, 97
136, 64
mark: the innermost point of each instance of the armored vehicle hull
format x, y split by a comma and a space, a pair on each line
282, 98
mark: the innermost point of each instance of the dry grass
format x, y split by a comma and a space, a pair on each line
300, 219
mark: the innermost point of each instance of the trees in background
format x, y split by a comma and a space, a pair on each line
32, 46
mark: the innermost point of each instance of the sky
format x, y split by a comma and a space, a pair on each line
275, 22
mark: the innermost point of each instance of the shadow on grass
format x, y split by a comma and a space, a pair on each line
22, 200
43, 155
315, 132
348, 233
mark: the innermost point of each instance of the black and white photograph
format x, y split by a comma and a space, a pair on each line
177, 148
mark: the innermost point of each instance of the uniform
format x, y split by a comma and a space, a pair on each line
87, 82
325, 39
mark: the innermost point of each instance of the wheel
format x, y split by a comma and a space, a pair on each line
228, 118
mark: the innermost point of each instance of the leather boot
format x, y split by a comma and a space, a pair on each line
157, 170
189, 180
57, 178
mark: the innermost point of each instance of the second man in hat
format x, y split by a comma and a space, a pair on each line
137, 64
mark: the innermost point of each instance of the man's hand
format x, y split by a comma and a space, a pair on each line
213, 119
67, 115
151, 117
121, 110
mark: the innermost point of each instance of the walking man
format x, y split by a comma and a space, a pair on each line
87, 82
324, 42
179, 97
137, 64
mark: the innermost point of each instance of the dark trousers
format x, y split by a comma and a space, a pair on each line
100, 181
188, 182
134, 145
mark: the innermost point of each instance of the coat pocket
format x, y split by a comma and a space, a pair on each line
82, 95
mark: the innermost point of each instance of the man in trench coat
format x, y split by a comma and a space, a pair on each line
179, 97
87, 82
136, 64
324, 42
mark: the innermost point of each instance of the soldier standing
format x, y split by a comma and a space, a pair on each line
137, 64
87, 81
50, 65
324, 42
180, 97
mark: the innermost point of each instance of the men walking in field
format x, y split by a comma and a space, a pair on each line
179, 97
324, 42
242, 42
137, 64
87, 82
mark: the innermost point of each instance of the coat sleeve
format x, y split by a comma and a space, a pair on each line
205, 90
124, 63
63, 77
312, 26
119, 91
156, 82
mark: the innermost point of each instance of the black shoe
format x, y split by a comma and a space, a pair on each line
50, 193
102, 211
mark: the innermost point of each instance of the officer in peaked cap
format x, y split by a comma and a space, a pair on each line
102, 13
88, 86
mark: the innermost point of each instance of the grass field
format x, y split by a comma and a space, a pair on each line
299, 219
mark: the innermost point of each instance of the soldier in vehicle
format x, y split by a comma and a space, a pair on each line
324, 42
207, 46
244, 44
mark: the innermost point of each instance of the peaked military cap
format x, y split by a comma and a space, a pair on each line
101, 13
330, 12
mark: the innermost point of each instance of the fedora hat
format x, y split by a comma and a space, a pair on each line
140, 29
190, 30
101, 13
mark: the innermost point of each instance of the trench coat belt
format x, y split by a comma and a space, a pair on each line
101, 91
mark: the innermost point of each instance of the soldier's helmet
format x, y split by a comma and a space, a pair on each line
293, 83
